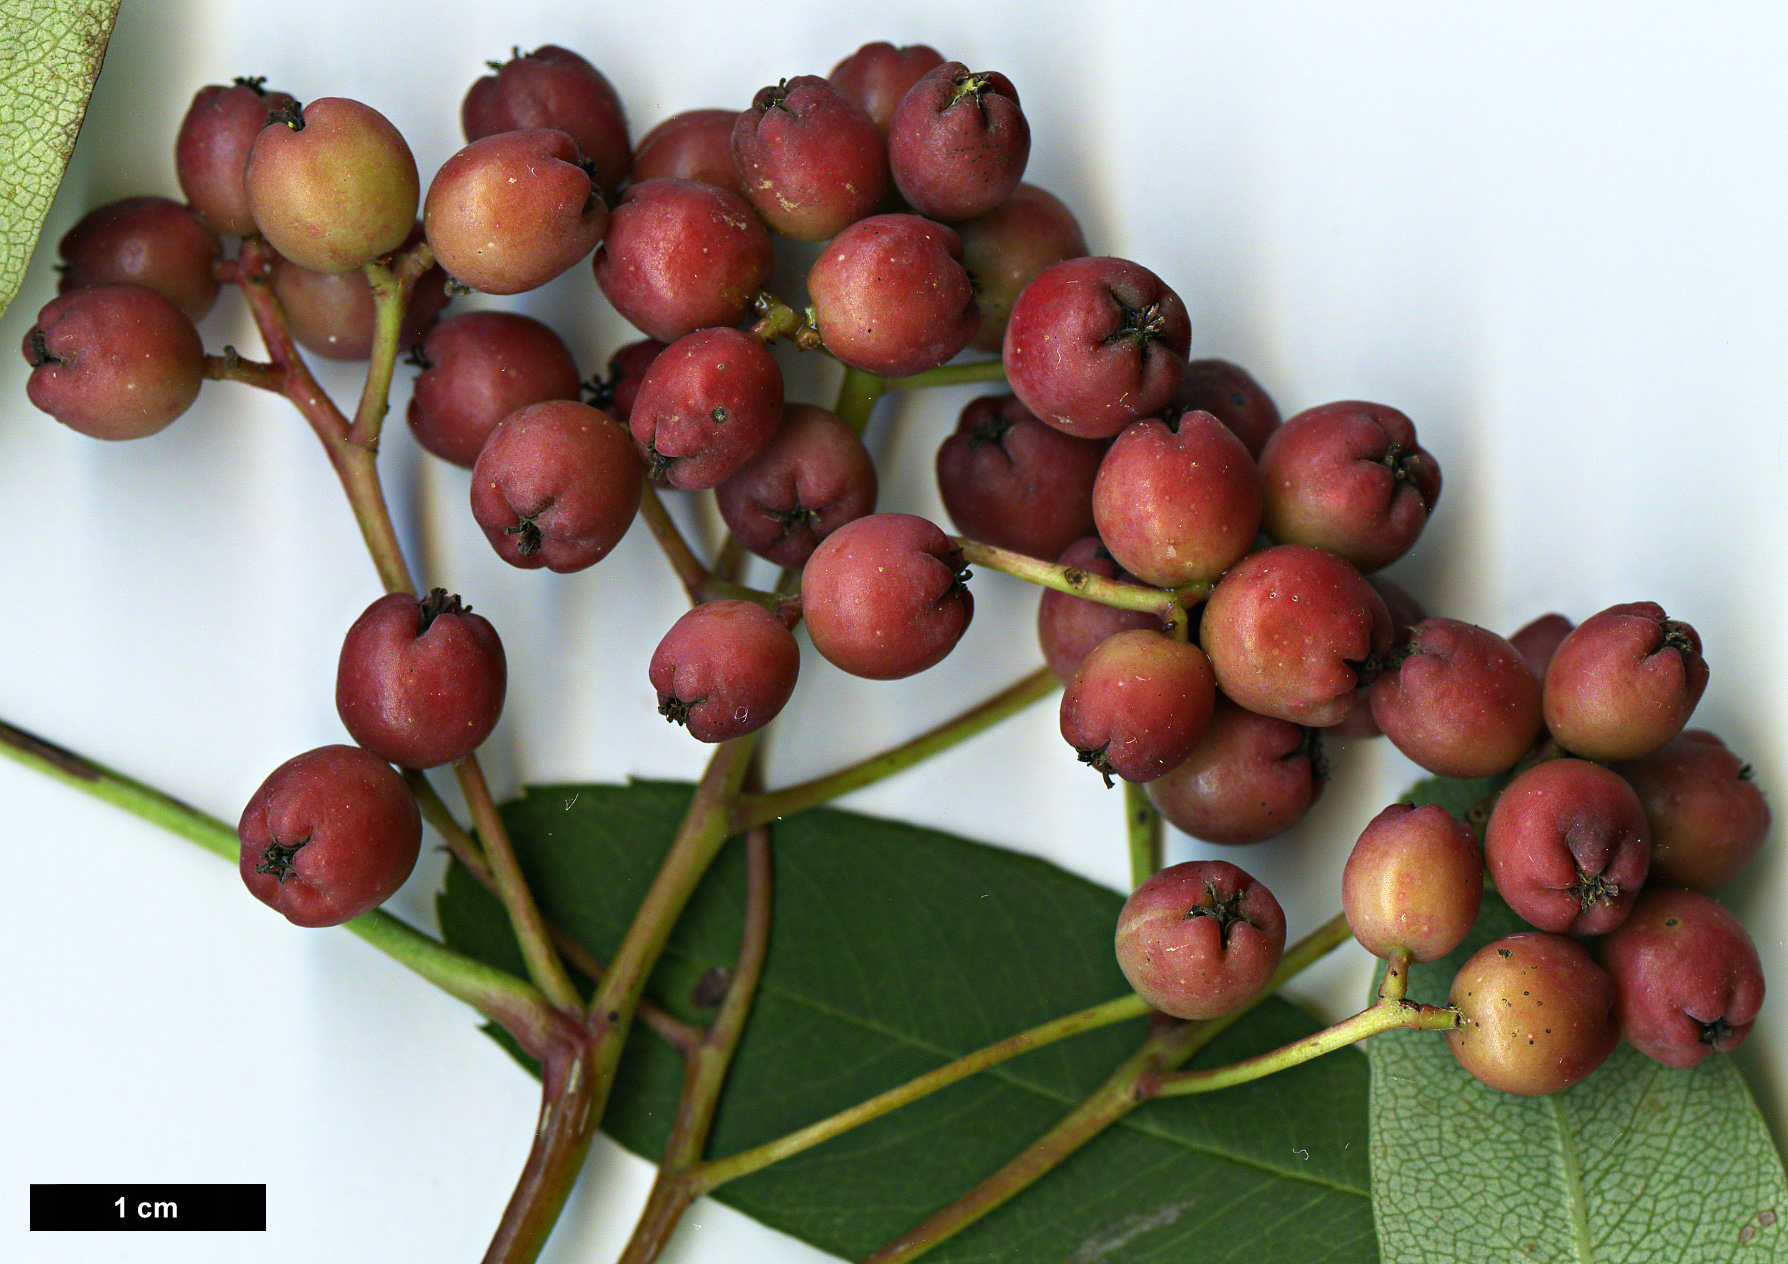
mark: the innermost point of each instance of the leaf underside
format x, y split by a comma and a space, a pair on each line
896, 950
50, 54
1638, 1164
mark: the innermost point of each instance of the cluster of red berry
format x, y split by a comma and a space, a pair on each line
1215, 606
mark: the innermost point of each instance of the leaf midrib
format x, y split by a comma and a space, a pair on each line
1582, 1249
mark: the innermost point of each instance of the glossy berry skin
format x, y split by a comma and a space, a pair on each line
211, 150
877, 75
693, 145
113, 361
958, 142
885, 596
480, 367
150, 241
1463, 703
1290, 631
1687, 980
725, 669
1095, 343
680, 255
332, 185
332, 313
890, 295
1007, 479
1537, 1014
1624, 682
1568, 847
1068, 627
1405, 612
1708, 818
1007, 246
1413, 883
1348, 477
811, 479
1200, 939
510, 212
1250, 778
1138, 705
420, 683
1230, 394
810, 159
627, 368
556, 485
331, 834
710, 402
1179, 505
1538, 640
554, 87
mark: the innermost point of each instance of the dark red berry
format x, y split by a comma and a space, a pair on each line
420, 682
331, 834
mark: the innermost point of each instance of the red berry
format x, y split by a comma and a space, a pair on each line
420, 683
331, 834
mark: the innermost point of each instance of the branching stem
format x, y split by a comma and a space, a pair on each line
499, 996
678, 1034
353, 462
717, 1172
757, 809
1170, 1044
392, 284
231, 367
1380, 1017
1170, 607
544, 966
704, 1071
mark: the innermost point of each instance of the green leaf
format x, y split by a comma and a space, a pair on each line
1469, 800
896, 950
1637, 1164
50, 53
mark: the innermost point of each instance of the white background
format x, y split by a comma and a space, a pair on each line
1555, 239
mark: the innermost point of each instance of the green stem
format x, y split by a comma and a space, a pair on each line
717, 1172
682, 558
1169, 1045
1384, 1016
140, 800
730, 560
562, 1139
1395, 984
231, 367
950, 375
704, 1072
353, 463
366, 497
499, 996
391, 289
1169, 606
707, 1069
544, 966
756, 809
776, 319
706, 825
857, 397
678, 1034
698, 581
1142, 825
